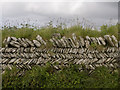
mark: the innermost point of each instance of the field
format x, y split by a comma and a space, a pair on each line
47, 77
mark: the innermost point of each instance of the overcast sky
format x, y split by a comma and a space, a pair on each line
40, 13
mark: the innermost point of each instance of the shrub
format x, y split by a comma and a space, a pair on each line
69, 77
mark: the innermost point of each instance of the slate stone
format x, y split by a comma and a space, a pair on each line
15, 44
37, 44
109, 40
102, 41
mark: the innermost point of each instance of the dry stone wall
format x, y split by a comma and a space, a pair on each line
25, 53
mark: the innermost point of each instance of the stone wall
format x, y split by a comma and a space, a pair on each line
90, 52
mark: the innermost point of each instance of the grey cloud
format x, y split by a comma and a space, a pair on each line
98, 12
13, 9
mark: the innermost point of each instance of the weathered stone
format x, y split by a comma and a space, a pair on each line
108, 39
93, 40
75, 40
102, 41
14, 38
22, 43
64, 44
25, 42
5, 61
37, 44
91, 67
56, 67
9, 66
71, 43
15, 44
87, 43
5, 40
114, 39
8, 39
98, 41
82, 42
2, 50
12, 61
90, 56
66, 41
39, 38
60, 43
88, 38
79, 61
29, 42
56, 42
101, 61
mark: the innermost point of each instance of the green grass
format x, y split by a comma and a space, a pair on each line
47, 77
47, 32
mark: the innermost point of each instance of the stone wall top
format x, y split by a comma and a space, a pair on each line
58, 41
